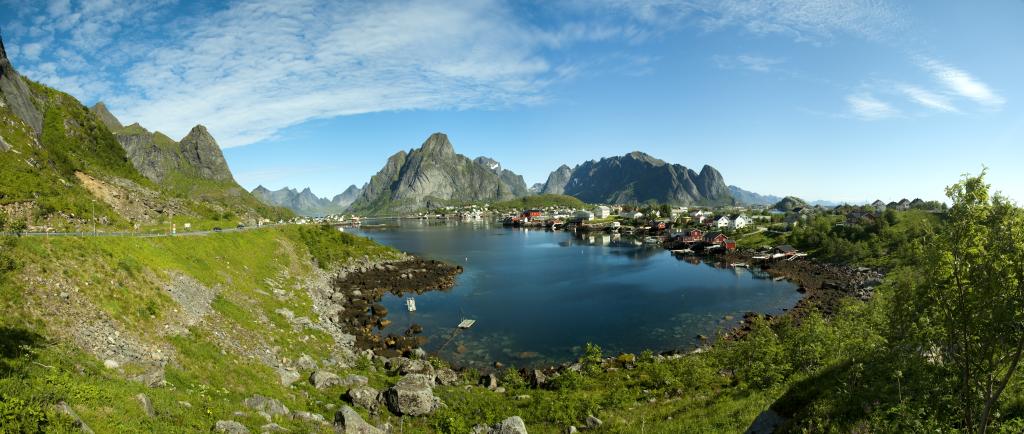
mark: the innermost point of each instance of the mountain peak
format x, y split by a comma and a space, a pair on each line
647, 158
438, 143
100, 111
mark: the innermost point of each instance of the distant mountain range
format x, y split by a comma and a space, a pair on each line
305, 202
434, 175
638, 178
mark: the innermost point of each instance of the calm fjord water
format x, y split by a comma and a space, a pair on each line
538, 296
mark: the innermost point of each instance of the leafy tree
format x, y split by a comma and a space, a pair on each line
968, 304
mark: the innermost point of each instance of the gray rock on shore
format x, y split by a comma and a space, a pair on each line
366, 397
347, 421
413, 396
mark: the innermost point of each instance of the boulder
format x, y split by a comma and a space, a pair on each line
447, 377
288, 376
270, 406
146, 404
412, 396
347, 421
229, 427
353, 380
512, 425
306, 363
406, 366
593, 422
308, 417
366, 397
324, 379
152, 379
489, 381
272, 428
536, 378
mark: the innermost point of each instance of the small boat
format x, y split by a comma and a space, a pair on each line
410, 304
740, 265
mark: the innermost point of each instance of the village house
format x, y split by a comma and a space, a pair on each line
678, 212
878, 205
584, 216
715, 238
738, 222
722, 222
602, 212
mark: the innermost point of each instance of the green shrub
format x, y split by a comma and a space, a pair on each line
513, 380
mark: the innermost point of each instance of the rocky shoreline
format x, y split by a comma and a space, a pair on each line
353, 297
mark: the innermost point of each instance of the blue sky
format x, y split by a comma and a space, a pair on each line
840, 100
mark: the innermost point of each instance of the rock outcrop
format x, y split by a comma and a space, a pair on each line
413, 395
431, 176
347, 421
557, 180
16, 95
637, 178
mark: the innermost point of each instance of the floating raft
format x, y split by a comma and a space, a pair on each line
467, 323
410, 304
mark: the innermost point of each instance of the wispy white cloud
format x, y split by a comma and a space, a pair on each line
866, 106
963, 83
804, 20
746, 61
927, 98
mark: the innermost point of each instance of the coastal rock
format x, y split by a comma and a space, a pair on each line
366, 397
347, 421
536, 378
447, 377
412, 396
230, 427
270, 406
489, 381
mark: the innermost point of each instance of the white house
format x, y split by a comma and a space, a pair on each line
700, 216
738, 222
722, 222
602, 212
679, 212
585, 216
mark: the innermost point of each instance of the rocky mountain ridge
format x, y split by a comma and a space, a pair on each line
302, 202
637, 178
434, 175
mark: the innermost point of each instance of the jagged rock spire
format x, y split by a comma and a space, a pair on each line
3, 53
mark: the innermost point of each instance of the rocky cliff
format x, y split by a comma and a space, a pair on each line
16, 95
158, 157
557, 180
637, 178
430, 176
514, 182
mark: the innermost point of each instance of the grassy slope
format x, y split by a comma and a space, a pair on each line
123, 278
